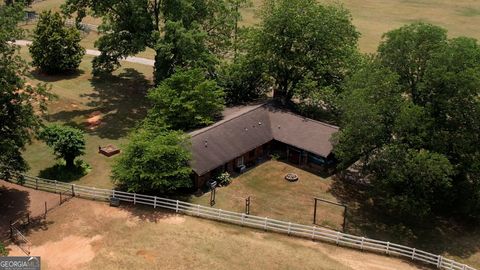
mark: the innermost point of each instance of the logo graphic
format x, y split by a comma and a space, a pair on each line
20, 263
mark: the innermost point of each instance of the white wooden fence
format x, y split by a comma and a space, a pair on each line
264, 223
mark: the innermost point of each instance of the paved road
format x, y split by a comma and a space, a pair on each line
131, 59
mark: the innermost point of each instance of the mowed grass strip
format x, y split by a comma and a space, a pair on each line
274, 197
117, 101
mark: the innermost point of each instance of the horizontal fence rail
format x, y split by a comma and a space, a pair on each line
263, 223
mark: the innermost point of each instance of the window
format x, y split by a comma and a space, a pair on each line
239, 161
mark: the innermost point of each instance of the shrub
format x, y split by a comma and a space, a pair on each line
224, 179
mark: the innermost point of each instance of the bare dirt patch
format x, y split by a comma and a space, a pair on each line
69, 253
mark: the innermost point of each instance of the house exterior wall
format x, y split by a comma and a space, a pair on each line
292, 154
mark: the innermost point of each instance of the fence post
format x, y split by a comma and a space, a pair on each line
154, 202
289, 227
176, 207
73, 190
361, 244
265, 224
94, 193
413, 253
243, 218
36, 183
134, 198
338, 238
313, 233
55, 186
439, 261
60, 198
219, 213
198, 209
388, 248
45, 216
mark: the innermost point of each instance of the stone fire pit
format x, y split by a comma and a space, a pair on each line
291, 177
108, 150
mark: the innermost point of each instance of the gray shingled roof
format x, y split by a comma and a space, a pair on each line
252, 127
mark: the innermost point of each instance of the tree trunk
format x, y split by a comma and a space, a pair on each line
69, 162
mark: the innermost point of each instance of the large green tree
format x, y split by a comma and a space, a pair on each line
408, 49
302, 42
187, 100
67, 142
183, 33
420, 150
155, 159
20, 103
55, 47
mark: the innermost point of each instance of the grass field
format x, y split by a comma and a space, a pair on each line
375, 17
118, 99
274, 197
83, 234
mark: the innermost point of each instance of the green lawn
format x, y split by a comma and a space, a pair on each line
119, 98
274, 197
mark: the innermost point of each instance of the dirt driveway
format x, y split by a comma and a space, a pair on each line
84, 234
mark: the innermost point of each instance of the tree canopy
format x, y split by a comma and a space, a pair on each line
415, 126
187, 100
155, 159
302, 42
55, 47
20, 103
185, 33
66, 142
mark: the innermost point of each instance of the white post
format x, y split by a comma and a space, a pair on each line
113, 193
94, 193
176, 207
338, 238
313, 233
243, 218
198, 209
219, 213
265, 224
134, 198
361, 244
388, 248
289, 228
439, 261
413, 253
55, 186
154, 202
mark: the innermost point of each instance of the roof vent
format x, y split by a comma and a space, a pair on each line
259, 123
278, 126
246, 129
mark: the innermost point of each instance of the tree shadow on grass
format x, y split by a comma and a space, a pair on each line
44, 77
440, 235
62, 173
119, 99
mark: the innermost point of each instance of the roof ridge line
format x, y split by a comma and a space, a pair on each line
311, 119
227, 120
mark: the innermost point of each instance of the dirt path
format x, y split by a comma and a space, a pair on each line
91, 235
